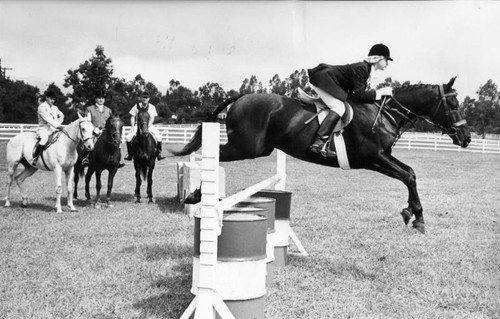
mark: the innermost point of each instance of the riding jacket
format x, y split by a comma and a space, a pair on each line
49, 116
343, 81
99, 118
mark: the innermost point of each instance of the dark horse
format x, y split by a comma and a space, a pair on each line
143, 149
259, 123
105, 156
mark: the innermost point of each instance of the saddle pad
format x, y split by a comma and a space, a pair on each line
338, 140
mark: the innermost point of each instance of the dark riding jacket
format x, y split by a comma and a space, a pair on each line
343, 81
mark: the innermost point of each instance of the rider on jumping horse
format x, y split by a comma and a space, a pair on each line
335, 83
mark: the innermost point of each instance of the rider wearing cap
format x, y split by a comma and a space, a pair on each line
50, 119
144, 104
335, 83
99, 114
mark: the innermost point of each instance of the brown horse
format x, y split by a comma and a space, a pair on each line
105, 156
259, 123
143, 151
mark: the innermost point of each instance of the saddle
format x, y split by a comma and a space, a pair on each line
322, 110
51, 140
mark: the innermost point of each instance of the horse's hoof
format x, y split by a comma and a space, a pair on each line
73, 209
406, 213
138, 200
420, 226
97, 206
110, 205
24, 205
151, 201
59, 211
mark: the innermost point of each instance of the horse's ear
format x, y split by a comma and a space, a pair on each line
452, 81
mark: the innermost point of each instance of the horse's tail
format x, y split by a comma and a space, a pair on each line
195, 143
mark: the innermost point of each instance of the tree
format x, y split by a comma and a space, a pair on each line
252, 85
92, 75
483, 114
18, 102
296, 80
211, 94
277, 86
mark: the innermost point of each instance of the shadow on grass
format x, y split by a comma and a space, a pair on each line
38, 207
170, 205
175, 286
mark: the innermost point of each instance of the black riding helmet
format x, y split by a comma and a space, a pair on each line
382, 50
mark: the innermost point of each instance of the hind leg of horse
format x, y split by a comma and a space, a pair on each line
11, 171
150, 183
111, 177
387, 166
19, 178
88, 178
69, 174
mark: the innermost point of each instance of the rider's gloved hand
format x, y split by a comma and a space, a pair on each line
97, 131
60, 128
387, 91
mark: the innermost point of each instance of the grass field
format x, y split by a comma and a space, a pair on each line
134, 260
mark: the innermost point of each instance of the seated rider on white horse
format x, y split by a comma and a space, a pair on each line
144, 104
50, 119
335, 83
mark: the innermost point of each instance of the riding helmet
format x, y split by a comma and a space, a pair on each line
380, 49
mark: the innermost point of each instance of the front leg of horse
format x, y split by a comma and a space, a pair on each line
69, 185
392, 168
58, 177
98, 186
88, 178
138, 182
111, 177
150, 184
76, 178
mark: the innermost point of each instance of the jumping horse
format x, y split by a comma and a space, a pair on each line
258, 123
60, 156
143, 149
106, 155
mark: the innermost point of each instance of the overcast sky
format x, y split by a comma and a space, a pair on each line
195, 42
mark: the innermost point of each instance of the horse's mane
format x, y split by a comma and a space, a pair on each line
412, 87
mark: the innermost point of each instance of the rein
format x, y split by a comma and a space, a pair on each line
80, 131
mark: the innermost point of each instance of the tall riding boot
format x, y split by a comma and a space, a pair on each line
129, 153
158, 151
324, 131
36, 154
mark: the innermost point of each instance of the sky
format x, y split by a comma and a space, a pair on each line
195, 42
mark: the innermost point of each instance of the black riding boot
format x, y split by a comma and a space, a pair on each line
36, 154
324, 131
129, 153
158, 151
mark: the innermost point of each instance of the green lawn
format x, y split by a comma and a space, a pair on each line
134, 260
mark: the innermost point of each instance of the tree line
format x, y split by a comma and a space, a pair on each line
180, 104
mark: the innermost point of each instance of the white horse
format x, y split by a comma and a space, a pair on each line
59, 157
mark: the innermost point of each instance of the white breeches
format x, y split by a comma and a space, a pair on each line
334, 104
152, 129
43, 133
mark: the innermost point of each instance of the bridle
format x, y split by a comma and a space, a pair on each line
453, 116
114, 141
83, 139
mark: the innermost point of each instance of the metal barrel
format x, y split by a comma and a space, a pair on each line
240, 272
268, 205
282, 223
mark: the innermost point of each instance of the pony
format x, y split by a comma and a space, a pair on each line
258, 123
106, 155
143, 149
59, 156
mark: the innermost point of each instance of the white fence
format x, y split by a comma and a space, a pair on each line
412, 141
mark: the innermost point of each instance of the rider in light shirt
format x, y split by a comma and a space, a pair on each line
152, 129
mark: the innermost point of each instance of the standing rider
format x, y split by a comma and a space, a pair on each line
99, 114
50, 119
144, 104
335, 83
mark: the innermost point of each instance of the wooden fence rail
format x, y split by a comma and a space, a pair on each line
181, 134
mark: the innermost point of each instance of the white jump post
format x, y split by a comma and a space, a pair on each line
207, 300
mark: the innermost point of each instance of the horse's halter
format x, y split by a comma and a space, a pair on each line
115, 141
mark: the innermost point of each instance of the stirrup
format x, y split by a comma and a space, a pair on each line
327, 152
128, 158
34, 161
